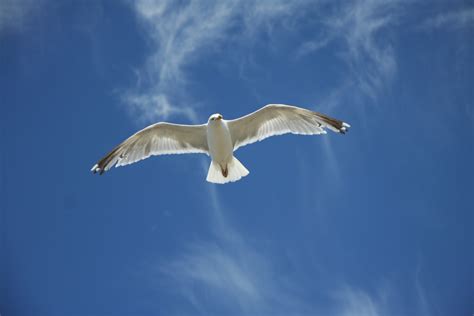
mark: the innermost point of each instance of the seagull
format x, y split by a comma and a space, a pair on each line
219, 138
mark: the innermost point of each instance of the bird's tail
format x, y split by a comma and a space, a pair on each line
234, 171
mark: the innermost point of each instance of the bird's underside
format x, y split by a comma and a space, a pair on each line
219, 138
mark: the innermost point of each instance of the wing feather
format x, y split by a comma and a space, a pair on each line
278, 119
157, 139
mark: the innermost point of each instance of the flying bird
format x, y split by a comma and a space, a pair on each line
219, 138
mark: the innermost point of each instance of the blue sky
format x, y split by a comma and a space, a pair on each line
376, 222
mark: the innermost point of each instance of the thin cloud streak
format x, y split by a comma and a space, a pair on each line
370, 58
234, 278
311, 47
451, 20
212, 269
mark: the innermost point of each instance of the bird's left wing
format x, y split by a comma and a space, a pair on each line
157, 139
278, 119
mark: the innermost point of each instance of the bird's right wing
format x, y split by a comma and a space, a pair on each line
157, 139
278, 119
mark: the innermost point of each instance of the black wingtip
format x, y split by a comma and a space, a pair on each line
97, 169
344, 129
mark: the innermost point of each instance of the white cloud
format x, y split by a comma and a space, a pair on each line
147, 106
371, 57
312, 46
179, 34
212, 269
183, 32
455, 20
385, 301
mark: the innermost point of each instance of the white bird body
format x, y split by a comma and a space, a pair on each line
219, 138
219, 141
224, 166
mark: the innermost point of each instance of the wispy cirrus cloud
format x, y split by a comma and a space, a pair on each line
232, 276
384, 301
450, 20
183, 32
364, 29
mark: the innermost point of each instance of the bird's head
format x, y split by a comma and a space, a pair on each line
215, 117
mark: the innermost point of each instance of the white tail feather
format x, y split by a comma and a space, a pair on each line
235, 171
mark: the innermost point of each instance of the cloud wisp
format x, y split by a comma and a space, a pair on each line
450, 20
180, 34
183, 33
369, 56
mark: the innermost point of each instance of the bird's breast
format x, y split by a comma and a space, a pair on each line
219, 141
